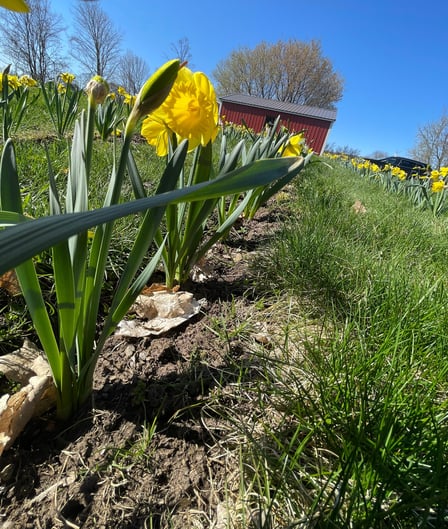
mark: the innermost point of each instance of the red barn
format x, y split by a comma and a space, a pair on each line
257, 112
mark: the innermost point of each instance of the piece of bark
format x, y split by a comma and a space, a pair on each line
24, 363
27, 367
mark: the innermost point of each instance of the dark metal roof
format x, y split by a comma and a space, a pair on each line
280, 106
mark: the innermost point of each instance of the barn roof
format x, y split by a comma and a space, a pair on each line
280, 106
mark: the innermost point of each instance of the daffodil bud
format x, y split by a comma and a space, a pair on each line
154, 92
97, 90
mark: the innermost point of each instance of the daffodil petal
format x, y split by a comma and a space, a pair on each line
15, 5
156, 134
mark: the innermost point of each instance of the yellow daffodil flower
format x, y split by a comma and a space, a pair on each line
190, 111
26, 80
15, 5
294, 146
438, 186
13, 82
399, 173
67, 78
129, 99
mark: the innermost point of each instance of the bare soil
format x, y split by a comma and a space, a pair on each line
106, 469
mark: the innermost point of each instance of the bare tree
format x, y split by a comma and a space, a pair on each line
32, 41
339, 149
132, 72
432, 143
181, 50
95, 44
293, 72
377, 155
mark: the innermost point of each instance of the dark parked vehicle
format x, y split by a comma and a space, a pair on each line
411, 167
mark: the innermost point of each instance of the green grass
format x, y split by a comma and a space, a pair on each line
351, 428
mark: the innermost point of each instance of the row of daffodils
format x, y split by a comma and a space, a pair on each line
423, 190
61, 98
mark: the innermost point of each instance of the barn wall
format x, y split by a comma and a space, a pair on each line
315, 130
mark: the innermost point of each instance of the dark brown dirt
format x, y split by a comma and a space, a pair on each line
100, 471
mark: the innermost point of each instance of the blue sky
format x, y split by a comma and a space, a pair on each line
392, 54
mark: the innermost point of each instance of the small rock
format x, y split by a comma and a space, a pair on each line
262, 337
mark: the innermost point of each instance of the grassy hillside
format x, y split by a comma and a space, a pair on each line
354, 431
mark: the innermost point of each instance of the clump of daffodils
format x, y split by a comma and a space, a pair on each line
438, 179
26, 80
15, 83
190, 112
128, 99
